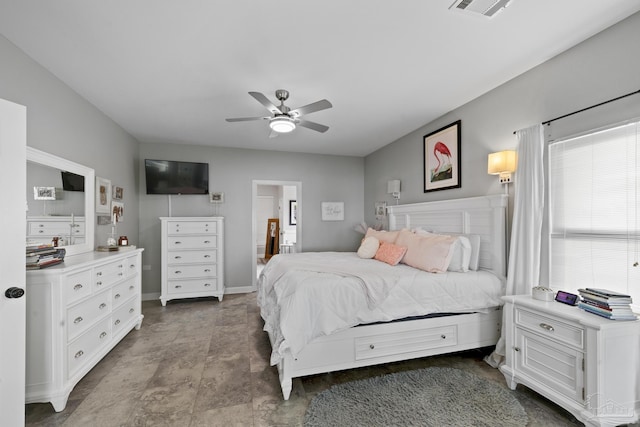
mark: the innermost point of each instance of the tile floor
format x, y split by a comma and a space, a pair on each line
202, 362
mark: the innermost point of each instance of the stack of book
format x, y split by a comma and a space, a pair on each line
42, 256
605, 303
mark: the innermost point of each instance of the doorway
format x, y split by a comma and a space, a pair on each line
279, 200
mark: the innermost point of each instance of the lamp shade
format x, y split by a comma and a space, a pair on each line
282, 124
502, 162
393, 186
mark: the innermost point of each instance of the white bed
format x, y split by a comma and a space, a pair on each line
350, 325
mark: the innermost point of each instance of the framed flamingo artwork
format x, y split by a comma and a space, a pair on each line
442, 158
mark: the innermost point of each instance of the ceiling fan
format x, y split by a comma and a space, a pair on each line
282, 118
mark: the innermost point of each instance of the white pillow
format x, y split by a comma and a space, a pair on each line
474, 239
461, 255
368, 247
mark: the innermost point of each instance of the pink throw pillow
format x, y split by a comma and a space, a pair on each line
390, 253
430, 253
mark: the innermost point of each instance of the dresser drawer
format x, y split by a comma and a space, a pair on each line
122, 292
186, 286
123, 315
550, 327
131, 266
405, 342
188, 227
191, 271
77, 286
190, 257
192, 242
83, 315
108, 274
81, 350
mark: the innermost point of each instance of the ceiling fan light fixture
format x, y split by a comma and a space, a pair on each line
282, 124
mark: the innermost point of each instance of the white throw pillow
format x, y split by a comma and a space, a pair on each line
461, 255
368, 247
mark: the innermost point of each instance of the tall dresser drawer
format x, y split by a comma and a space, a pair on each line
189, 271
190, 257
84, 315
187, 227
186, 286
88, 344
192, 242
550, 327
77, 285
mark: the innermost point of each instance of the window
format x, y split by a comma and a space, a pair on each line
594, 184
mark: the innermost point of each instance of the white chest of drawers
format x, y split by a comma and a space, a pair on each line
192, 257
76, 313
587, 364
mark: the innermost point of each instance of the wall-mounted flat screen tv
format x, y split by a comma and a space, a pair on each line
173, 177
72, 181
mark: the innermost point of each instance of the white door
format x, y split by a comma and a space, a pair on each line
13, 170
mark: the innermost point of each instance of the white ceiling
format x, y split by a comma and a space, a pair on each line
173, 70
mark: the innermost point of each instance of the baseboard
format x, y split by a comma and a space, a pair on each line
151, 296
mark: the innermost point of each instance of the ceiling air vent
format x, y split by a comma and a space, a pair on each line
486, 8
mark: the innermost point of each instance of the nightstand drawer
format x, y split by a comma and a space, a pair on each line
550, 327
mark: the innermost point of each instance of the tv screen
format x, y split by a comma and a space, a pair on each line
72, 181
172, 177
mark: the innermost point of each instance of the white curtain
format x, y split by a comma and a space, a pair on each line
524, 254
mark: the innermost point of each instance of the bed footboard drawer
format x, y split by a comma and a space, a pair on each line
405, 342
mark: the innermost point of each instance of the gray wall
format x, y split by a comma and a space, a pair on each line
601, 68
232, 171
61, 122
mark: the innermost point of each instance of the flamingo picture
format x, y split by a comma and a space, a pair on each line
443, 150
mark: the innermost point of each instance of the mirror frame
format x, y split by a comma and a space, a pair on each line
36, 156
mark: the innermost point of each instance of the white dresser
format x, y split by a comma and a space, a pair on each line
585, 363
76, 313
43, 229
192, 257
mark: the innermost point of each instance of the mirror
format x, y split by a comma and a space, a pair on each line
55, 212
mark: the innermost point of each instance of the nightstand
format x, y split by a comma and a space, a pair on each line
587, 364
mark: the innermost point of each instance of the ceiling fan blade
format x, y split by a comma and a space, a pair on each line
245, 119
311, 108
265, 101
273, 134
313, 126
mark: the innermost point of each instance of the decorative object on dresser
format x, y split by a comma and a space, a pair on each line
42, 256
192, 257
606, 303
76, 313
586, 364
420, 397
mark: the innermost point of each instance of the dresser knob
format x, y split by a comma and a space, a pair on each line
516, 348
116, 296
117, 322
103, 305
207, 270
99, 273
78, 320
207, 256
79, 354
99, 283
206, 285
102, 335
77, 287
444, 337
131, 310
371, 346
207, 241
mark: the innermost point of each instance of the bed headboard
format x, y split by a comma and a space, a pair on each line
485, 216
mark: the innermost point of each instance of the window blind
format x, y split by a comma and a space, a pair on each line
594, 208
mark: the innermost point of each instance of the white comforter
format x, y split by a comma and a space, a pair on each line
307, 295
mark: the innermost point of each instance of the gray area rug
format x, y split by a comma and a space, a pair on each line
425, 397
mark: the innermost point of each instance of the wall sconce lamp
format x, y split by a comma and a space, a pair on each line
393, 188
502, 163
